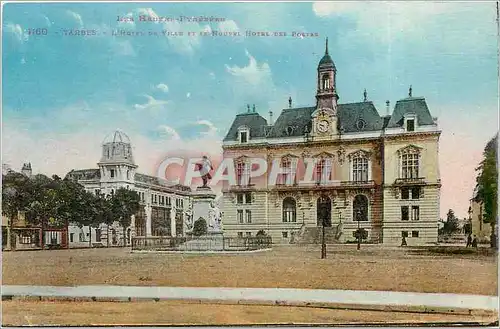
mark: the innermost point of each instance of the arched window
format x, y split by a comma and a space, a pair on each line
326, 82
289, 210
360, 208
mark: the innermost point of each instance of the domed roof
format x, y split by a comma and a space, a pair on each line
117, 136
326, 60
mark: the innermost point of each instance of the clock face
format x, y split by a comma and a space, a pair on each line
323, 126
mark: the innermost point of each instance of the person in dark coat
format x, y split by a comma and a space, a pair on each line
474, 242
469, 241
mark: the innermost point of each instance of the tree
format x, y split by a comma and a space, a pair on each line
451, 224
15, 198
124, 204
200, 227
261, 233
361, 234
487, 187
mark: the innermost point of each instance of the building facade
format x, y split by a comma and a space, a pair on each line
165, 209
480, 229
363, 170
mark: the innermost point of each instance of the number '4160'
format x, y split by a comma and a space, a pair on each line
37, 31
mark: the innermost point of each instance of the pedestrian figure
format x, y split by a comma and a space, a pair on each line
403, 242
474, 242
469, 241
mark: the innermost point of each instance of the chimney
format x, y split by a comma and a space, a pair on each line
270, 118
253, 109
290, 102
387, 107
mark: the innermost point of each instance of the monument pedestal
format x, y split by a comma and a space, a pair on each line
203, 206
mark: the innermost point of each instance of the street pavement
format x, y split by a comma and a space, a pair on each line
275, 295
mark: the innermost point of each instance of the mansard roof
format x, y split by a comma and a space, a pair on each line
293, 121
153, 180
350, 114
256, 123
410, 105
95, 174
84, 174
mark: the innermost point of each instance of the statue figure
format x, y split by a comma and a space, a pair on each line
205, 167
214, 216
188, 221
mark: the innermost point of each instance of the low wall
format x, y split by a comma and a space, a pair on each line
202, 243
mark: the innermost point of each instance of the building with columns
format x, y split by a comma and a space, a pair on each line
376, 172
165, 209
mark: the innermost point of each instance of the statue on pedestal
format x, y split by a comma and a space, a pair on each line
205, 167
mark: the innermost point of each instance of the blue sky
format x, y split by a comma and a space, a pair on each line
62, 94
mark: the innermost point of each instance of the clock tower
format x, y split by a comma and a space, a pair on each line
325, 117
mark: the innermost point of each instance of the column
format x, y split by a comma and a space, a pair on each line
172, 222
148, 210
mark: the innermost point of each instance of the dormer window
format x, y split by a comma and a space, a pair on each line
243, 134
410, 125
410, 122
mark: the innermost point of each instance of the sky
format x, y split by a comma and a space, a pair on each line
63, 93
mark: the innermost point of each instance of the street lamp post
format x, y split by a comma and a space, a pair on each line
323, 244
359, 231
323, 220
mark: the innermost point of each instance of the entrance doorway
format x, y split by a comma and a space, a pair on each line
324, 211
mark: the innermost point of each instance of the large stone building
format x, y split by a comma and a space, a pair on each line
378, 172
165, 211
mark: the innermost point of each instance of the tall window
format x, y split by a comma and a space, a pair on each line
289, 210
112, 171
248, 216
242, 173
240, 216
360, 208
415, 213
288, 175
409, 164
323, 171
405, 213
360, 169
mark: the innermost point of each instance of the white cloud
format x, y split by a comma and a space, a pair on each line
253, 73
212, 130
76, 17
151, 104
163, 87
170, 132
17, 31
188, 95
438, 26
185, 44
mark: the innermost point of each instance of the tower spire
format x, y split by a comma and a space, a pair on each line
326, 46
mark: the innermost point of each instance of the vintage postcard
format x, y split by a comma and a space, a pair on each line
249, 163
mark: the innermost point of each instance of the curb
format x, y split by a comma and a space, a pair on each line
340, 306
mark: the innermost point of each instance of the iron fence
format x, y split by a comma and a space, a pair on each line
203, 243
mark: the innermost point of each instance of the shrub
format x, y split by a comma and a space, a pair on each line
261, 233
200, 227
